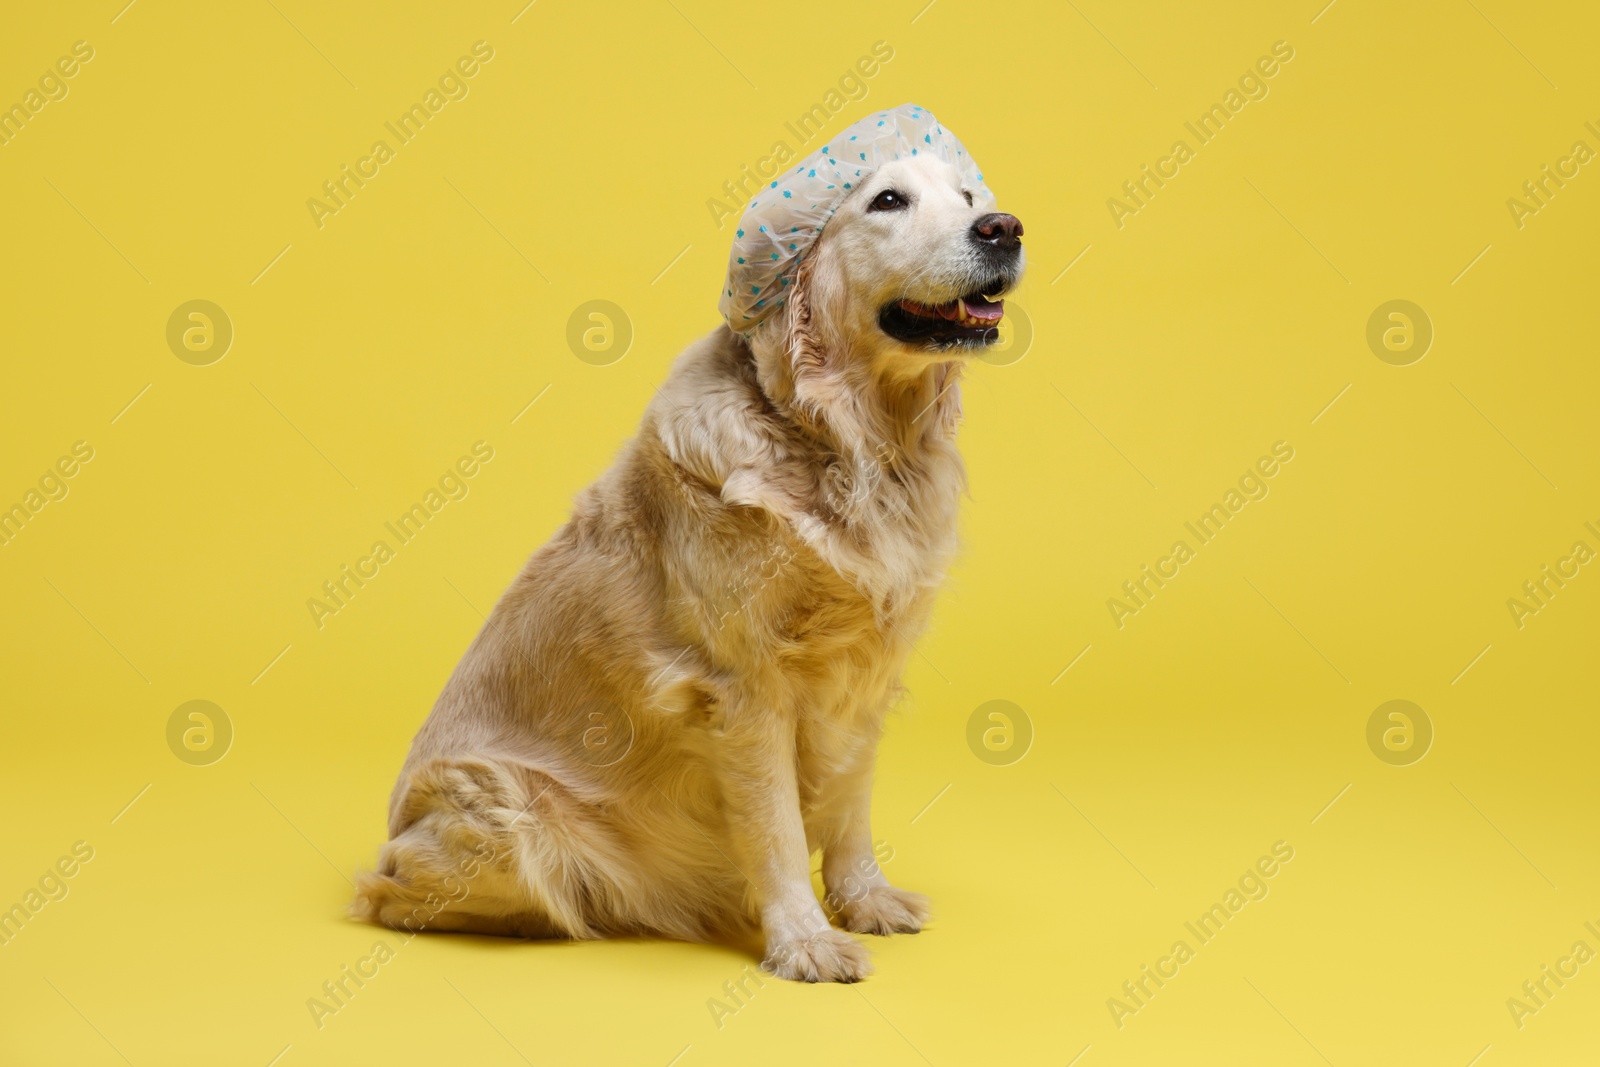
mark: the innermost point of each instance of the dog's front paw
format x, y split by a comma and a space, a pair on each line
828, 956
885, 910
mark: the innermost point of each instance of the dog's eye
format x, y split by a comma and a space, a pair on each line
968, 194
888, 200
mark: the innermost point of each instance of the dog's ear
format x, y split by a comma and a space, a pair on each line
802, 341
805, 345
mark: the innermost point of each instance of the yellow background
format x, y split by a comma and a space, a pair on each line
1225, 716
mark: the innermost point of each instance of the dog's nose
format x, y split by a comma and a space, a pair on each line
998, 229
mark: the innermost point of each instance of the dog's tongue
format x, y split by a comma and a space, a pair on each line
984, 308
978, 308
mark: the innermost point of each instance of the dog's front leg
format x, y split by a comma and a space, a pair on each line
856, 886
757, 769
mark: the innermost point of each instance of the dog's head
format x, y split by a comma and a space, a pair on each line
908, 272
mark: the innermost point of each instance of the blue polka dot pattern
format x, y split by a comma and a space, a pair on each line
812, 191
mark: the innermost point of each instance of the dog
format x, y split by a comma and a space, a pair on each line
680, 697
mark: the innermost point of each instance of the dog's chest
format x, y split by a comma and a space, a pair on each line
842, 656
819, 600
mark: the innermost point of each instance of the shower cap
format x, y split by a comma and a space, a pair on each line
787, 216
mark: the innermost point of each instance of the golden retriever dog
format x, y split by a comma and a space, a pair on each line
679, 699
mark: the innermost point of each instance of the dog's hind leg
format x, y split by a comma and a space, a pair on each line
492, 846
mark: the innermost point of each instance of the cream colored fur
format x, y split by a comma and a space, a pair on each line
680, 697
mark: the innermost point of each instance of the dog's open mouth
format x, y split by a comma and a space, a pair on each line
969, 321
